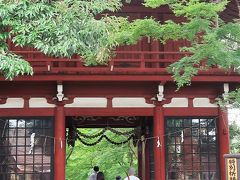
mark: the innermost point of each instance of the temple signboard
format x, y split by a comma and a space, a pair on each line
232, 162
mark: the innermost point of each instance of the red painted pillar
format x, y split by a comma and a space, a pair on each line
60, 145
224, 141
159, 152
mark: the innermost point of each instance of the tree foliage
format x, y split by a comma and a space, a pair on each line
113, 160
234, 130
59, 28
219, 44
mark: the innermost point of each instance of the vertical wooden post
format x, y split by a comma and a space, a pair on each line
155, 48
140, 160
223, 131
147, 161
159, 152
60, 143
142, 62
143, 158
147, 153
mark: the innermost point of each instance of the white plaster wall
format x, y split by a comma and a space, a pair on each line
40, 103
130, 102
203, 102
88, 102
13, 103
177, 102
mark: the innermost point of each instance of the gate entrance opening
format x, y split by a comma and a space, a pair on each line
114, 143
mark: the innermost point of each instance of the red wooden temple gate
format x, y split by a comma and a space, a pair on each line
190, 131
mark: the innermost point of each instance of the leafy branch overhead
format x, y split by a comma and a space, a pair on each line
62, 28
219, 44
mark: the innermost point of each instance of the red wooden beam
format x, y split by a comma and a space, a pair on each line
111, 78
109, 111
33, 112
140, 111
8, 112
190, 111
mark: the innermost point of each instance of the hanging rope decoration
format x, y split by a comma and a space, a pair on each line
107, 138
91, 136
74, 132
119, 132
103, 131
79, 135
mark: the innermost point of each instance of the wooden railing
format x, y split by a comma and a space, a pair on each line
124, 61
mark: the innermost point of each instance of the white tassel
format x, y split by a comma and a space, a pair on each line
61, 143
158, 142
32, 142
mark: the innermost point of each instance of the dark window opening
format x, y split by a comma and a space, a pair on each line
191, 149
26, 149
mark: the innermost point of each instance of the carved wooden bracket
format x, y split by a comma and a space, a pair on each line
3, 100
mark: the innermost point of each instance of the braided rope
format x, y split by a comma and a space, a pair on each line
91, 136
107, 138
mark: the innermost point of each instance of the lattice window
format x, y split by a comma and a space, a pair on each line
191, 149
26, 149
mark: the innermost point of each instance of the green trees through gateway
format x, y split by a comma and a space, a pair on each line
113, 160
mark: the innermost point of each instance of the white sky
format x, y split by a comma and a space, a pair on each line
234, 115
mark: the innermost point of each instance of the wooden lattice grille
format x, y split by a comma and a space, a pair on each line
26, 149
191, 149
